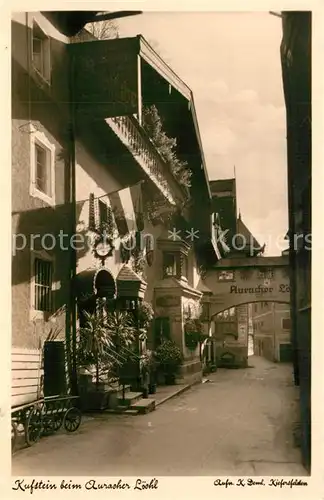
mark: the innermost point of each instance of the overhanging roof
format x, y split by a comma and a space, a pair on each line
94, 282
107, 84
151, 57
71, 22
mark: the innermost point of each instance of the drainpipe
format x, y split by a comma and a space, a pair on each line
72, 317
29, 45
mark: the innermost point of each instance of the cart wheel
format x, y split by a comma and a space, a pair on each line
57, 422
48, 426
52, 424
14, 434
72, 419
33, 426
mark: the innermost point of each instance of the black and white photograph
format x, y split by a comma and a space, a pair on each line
161, 218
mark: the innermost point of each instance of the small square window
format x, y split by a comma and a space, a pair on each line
265, 274
286, 324
226, 276
43, 276
171, 265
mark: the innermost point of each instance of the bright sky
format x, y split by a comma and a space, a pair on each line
231, 61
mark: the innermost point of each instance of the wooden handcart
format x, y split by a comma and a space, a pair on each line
43, 417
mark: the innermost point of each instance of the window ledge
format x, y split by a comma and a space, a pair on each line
42, 77
36, 193
35, 315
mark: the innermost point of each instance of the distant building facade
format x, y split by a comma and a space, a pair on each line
272, 331
232, 328
233, 333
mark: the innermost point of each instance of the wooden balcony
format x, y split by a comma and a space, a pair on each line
112, 80
109, 77
134, 137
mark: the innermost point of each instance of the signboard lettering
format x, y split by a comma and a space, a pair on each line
283, 288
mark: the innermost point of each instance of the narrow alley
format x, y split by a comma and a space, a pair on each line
241, 422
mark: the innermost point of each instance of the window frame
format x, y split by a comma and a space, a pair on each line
266, 274
226, 280
39, 139
36, 314
40, 53
38, 33
177, 265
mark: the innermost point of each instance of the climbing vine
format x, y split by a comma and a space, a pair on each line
165, 145
194, 327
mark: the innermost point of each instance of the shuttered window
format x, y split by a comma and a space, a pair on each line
103, 212
92, 221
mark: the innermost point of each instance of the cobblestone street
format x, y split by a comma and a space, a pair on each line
239, 423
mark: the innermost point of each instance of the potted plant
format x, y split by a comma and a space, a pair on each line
194, 332
169, 359
92, 355
103, 342
122, 329
145, 314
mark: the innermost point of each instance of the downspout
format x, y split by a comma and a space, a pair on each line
72, 317
29, 65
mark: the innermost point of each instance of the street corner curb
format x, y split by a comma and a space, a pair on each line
174, 394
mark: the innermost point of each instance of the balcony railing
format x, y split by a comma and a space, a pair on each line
133, 136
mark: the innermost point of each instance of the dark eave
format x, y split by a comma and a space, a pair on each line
69, 23
149, 55
203, 161
222, 185
153, 59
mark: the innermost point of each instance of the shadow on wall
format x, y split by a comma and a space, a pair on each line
39, 230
